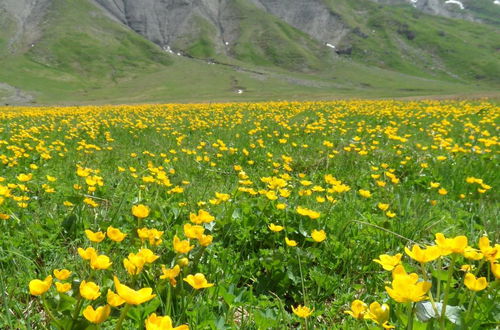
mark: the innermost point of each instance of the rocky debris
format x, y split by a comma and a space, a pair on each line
27, 16
10, 95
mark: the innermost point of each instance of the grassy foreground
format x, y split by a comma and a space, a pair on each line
250, 215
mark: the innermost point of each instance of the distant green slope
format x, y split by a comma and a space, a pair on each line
84, 56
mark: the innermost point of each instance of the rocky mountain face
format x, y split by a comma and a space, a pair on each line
169, 22
178, 24
25, 16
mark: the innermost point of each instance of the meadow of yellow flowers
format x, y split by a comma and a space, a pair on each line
284, 215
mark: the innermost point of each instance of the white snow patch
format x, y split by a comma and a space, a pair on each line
456, 2
239, 91
227, 43
330, 45
497, 2
168, 49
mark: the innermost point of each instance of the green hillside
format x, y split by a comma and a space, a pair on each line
84, 56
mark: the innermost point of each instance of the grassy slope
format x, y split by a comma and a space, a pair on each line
99, 61
485, 10
403, 39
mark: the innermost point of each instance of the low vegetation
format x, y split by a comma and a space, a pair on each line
325, 215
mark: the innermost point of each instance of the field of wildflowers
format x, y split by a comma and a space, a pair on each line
319, 215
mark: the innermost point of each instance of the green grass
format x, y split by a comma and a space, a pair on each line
266, 41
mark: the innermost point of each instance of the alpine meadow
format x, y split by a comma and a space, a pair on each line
249, 164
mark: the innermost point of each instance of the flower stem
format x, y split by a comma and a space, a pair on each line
77, 311
49, 312
438, 293
424, 275
470, 308
302, 280
409, 325
447, 292
169, 298
122, 317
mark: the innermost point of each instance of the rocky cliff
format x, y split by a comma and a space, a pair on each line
165, 22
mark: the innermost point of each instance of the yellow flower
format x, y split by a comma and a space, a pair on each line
51, 178
198, 281
95, 237
88, 253
390, 214
467, 268
183, 262
309, 213
89, 290
113, 299
365, 193
383, 207
24, 177
406, 287
389, 262
134, 263
97, 316
140, 211
358, 309
435, 184
63, 287
193, 232
62, 274
276, 228
202, 217
302, 311
318, 235
100, 262
490, 253
281, 206
475, 284
442, 191
205, 240
154, 322
290, 242
378, 313
115, 234
148, 255
495, 269
39, 287
423, 255
170, 274
451, 245
131, 296
473, 254
182, 246
143, 233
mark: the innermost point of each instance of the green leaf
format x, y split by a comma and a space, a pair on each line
441, 275
150, 307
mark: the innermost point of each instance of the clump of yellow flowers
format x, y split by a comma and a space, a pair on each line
416, 292
91, 305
